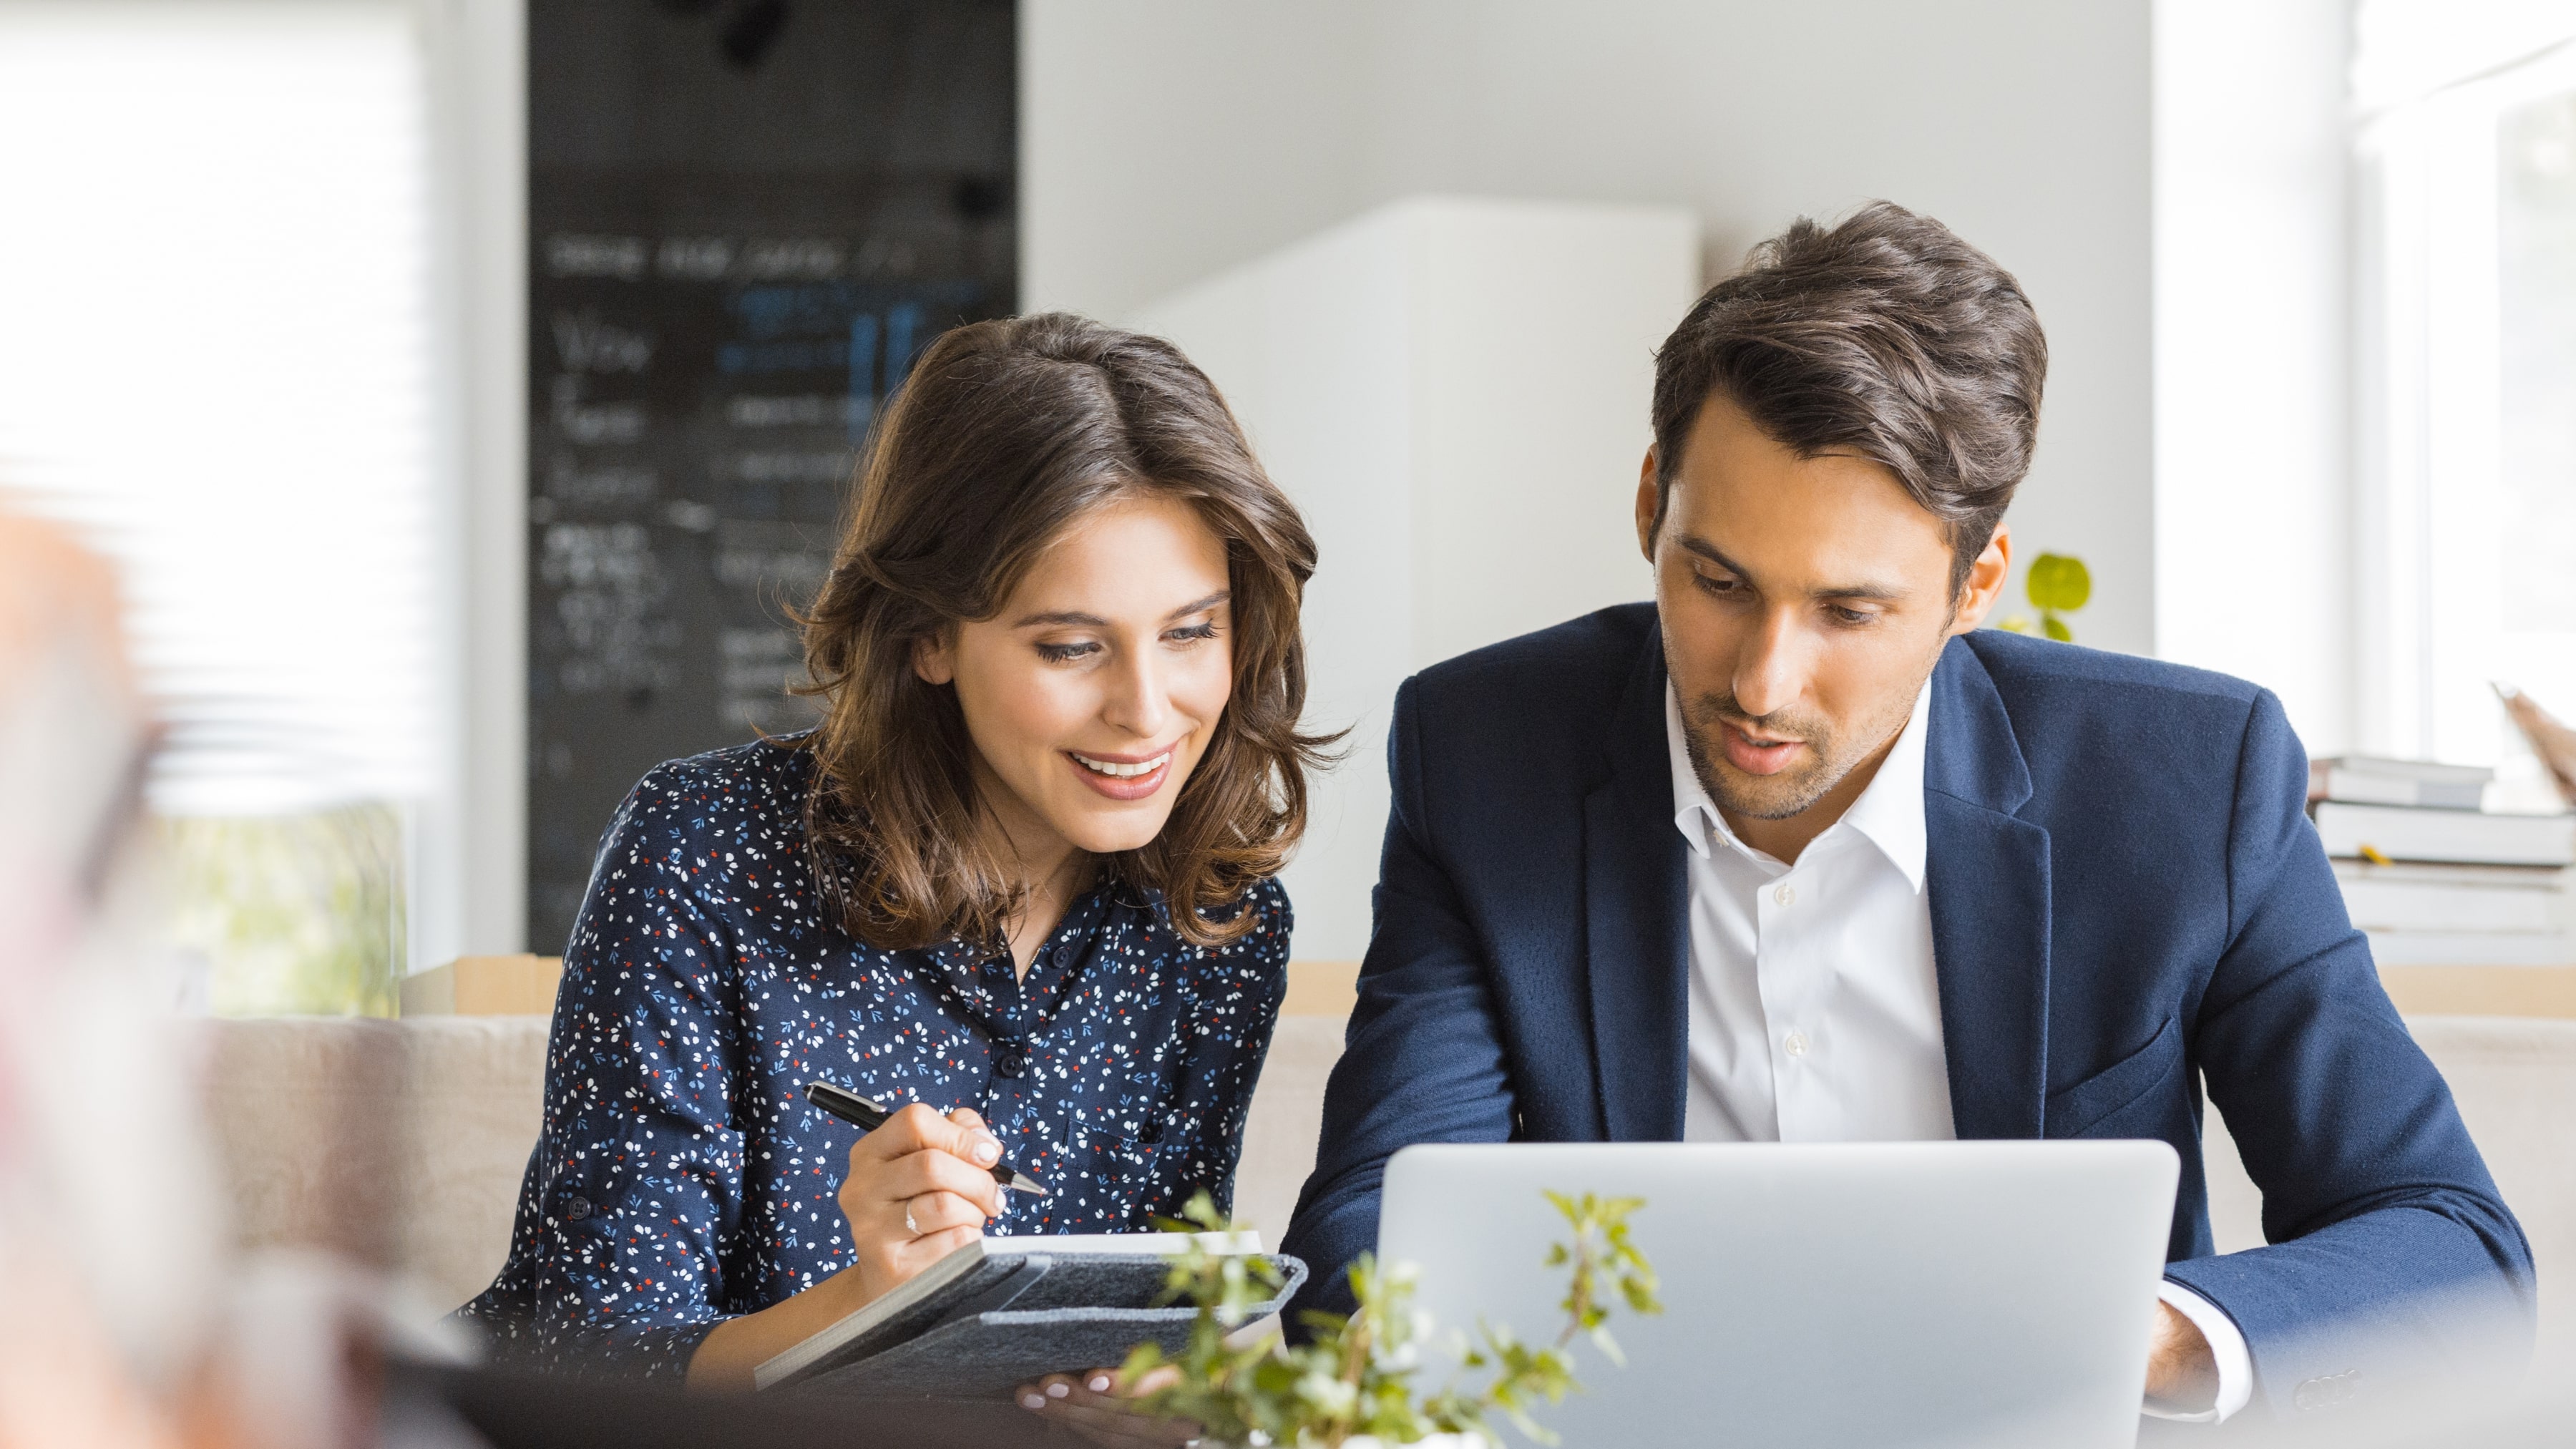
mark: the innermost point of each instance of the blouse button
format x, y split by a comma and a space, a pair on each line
575, 1208
1010, 1059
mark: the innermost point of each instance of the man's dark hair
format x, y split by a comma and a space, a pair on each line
1885, 336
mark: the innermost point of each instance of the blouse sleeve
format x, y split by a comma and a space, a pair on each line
628, 1218
1234, 1005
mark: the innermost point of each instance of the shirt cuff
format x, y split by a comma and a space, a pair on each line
2226, 1345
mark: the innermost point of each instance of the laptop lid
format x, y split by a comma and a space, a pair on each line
1994, 1293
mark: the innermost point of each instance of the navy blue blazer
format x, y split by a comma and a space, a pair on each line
2126, 898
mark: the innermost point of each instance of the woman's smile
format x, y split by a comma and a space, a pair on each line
1123, 777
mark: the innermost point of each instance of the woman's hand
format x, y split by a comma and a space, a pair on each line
1095, 1405
919, 1188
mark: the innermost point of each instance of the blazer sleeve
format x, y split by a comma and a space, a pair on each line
2391, 1253
1423, 1060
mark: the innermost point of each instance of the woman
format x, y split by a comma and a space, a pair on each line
1020, 878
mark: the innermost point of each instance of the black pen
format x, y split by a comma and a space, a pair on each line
867, 1116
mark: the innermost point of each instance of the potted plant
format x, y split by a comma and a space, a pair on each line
1351, 1384
2058, 584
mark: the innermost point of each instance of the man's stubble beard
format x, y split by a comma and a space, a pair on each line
1793, 791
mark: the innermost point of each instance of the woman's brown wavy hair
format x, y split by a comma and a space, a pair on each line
1004, 435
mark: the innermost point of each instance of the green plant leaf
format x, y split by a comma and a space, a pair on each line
2056, 628
1354, 1377
2059, 583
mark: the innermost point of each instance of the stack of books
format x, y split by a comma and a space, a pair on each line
2435, 879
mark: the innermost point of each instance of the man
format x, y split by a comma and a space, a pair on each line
1793, 854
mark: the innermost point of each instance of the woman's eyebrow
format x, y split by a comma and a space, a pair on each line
1210, 602
1094, 621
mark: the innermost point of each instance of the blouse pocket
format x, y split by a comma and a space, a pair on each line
1129, 1160
1125, 1177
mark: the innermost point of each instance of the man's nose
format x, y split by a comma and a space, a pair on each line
1771, 671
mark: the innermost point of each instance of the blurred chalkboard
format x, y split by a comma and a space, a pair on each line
746, 219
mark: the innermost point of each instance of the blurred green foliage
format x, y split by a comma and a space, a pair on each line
297, 914
1353, 1378
2058, 584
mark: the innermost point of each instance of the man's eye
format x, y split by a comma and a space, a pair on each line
1066, 653
1718, 585
1854, 616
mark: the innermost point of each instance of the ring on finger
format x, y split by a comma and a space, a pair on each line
909, 1225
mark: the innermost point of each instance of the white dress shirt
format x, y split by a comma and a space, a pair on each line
1815, 1014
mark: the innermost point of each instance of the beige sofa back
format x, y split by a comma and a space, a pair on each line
406, 1140
400, 1141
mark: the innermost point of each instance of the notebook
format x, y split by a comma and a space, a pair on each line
1001, 1312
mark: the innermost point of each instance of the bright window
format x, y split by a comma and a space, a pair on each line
2467, 216
218, 357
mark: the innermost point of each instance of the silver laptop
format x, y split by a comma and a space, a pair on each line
1915, 1293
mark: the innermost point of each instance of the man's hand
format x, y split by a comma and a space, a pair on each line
2182, 1374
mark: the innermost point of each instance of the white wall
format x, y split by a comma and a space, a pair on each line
1318, 332
1165, 140
1449, 390
2253, 499
481, 70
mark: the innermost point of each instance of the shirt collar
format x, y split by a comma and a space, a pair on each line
1889, 814
1890, 811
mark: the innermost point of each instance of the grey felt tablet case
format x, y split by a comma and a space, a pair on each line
1047, 1315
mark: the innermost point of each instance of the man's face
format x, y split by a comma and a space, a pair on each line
1804, 601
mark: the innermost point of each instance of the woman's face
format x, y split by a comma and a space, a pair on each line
1092, 694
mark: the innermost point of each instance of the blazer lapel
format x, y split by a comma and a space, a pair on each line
1987, 873
1636, 926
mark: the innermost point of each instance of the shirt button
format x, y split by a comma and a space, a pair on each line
1795, 1044
575, 1208
1786, 895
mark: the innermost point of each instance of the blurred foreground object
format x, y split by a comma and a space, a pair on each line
110, 1295
129, 1321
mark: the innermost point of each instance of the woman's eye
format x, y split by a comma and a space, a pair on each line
1066, 653
1193, 633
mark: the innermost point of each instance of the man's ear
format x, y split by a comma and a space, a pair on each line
1985, 581
934, 659
1646, 501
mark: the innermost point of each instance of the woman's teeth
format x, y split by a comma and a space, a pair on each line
1117, 771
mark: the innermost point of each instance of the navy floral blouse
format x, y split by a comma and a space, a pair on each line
681, 1179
